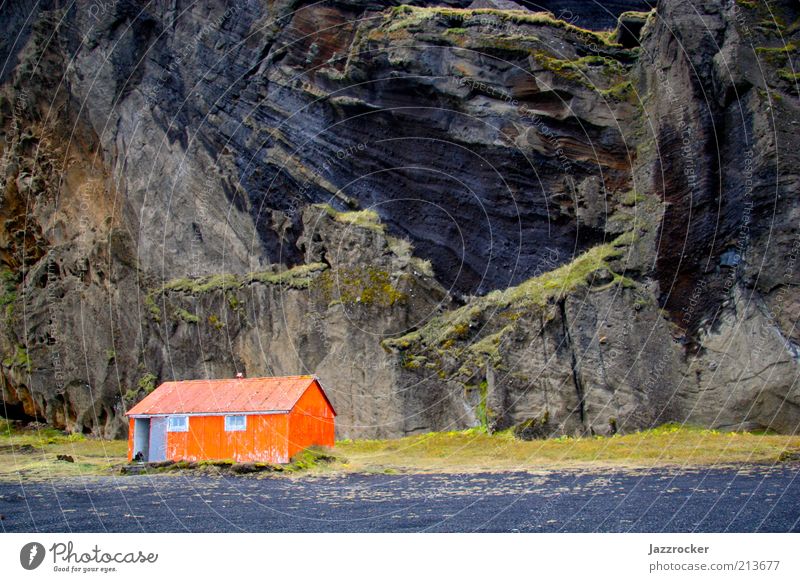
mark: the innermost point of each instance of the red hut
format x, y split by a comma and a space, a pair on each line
244, 419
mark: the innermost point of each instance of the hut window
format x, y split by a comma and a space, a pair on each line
235, 423
178, 424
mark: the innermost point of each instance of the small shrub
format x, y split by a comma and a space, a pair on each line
8, 290
632, 198
312, 457
147, 383
368, 219
19, 359
186, 316
155, 311
234, 302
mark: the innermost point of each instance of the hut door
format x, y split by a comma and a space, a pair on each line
141, 438
158, 439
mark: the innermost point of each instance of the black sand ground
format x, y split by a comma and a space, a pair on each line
754, 499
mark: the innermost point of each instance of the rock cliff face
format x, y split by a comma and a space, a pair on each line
456, 213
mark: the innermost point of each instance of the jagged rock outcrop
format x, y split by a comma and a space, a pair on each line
326, 316
455, 213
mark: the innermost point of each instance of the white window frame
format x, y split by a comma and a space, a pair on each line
230, 427
173, 424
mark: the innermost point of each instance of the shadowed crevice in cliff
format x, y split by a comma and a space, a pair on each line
576, 372
17, 412
688, 177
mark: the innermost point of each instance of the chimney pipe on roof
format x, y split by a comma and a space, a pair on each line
239, 375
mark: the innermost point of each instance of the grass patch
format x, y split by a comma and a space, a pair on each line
633, 198
422, 266
215, 282
298, 277
312, 458
475, 450
152, 308
512, 46
186, 316
459, 344
576, 69
202, 284
368, 219
620, 92
30, 454
612, 83
411, 17
777, 56
404, 250
531, 294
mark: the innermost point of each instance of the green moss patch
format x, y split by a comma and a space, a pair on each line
186, 316
298, 277
632, 198
620, 92
147, 383
777, 56
597, 73
532, 294
413, 17
311, 458
359, 286
152, 307
8, 291
19, 359
461, 344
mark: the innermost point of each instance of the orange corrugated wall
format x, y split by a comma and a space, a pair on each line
130, 438
264, 440
311, 421
269, 438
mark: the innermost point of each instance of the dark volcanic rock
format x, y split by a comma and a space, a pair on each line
454, 216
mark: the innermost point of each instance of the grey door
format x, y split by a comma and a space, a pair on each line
158, 439
141, 438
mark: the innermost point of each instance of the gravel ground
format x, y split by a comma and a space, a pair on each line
708, 500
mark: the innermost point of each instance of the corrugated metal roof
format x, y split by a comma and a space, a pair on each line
225, 396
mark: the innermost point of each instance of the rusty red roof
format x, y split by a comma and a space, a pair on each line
226, 396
